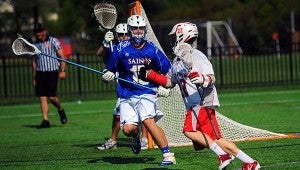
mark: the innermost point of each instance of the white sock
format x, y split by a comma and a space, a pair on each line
217, 149
145, 140
244, 157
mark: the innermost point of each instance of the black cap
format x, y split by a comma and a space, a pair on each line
38, 28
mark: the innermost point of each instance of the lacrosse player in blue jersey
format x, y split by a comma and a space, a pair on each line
104, 51
138, 104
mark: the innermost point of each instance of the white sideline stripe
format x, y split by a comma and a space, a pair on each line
261, 92
65, 104
276, 165
39, 114
271, 102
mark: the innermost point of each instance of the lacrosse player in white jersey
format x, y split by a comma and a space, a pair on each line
194, 74
138, 104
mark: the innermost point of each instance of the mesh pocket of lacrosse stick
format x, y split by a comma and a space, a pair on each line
20, 46
106, 14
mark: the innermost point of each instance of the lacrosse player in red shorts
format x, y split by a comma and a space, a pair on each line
194, 74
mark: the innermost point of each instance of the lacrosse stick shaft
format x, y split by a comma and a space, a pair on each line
207, 112
111, 46
94, 70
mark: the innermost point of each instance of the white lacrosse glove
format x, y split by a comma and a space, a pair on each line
108, 37
163, 92
108, 76
184, 52
197, 78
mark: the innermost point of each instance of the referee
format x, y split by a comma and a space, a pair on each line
46, 72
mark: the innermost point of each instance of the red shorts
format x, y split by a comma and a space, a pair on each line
198, 120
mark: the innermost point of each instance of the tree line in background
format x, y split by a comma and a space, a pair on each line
252, 21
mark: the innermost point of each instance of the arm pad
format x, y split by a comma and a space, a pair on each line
157, 78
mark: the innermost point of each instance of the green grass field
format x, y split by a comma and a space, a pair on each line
72, 146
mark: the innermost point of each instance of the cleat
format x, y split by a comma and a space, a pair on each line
136, 145
144, 143
225, 160
63, 116
109, 144
44, 124
169, 159
251, 166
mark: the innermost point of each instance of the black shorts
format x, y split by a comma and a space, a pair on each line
46, 83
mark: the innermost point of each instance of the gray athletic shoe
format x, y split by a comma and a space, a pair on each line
109, 144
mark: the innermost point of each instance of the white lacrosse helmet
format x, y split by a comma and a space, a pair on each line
183, 32
137, 21
121, 28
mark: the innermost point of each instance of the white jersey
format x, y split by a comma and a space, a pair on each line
190, 93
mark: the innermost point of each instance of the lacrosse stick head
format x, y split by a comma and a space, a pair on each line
106, 14
20, 46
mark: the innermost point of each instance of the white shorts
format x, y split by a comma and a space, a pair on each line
159, 115
117, 108
137, 108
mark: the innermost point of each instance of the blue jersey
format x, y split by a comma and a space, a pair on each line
108, 53
127, 60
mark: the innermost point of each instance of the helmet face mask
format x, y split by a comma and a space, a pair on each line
183, 33
137, 29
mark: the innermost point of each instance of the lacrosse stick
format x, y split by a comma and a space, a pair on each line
203, 102
21, 46
106, 15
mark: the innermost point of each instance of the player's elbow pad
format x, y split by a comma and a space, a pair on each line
158, 78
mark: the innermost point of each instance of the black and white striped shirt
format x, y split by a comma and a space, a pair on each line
50, 46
